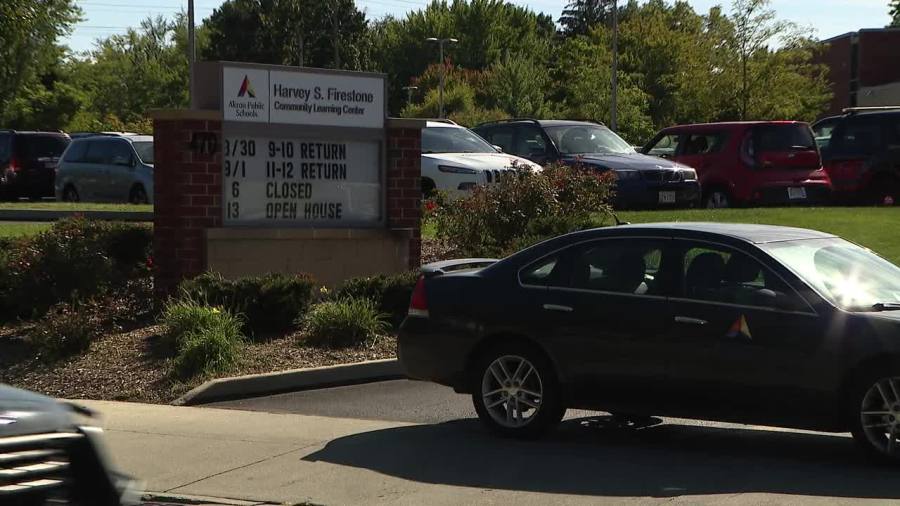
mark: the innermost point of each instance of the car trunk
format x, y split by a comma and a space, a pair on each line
784, 148
39, 156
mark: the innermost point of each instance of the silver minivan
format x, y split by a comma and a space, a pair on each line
107, 168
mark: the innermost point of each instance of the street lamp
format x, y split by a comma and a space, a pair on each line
614, 94
440, 43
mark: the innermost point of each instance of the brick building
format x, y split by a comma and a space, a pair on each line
864, 68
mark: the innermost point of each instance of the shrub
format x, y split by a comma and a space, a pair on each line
390, 293
205, 339
269, 303
65, 330
214, 348
342, 323
493, 218
76, 258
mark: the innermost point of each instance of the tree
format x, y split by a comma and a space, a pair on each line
30, 32
314, 33
516, 85
580, 16
895, 13
755, 26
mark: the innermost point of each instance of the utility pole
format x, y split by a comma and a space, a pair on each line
192, 55
409, 93
335, 34
614, 95
440, 43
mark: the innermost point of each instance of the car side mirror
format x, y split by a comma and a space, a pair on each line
497, 148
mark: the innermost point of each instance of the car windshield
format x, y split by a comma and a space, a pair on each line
453, 140
588, 139
144, 151
851, 277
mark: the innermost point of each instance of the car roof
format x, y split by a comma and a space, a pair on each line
730, 124
752, 233
441, 124
34, 132
101, 137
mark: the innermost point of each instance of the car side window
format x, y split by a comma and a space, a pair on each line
120, 153
666, 146
620, 266
75, 153
5, 147
43, 146
718, 274
704, 144
501, 136
548, 271
858, 137
98, 152
530, 142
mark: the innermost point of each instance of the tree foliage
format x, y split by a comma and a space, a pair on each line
581, 16
314, 33
895, 13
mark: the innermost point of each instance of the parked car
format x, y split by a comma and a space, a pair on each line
863, 156
110, 168
455, 159
823, 128
28, 162
740, 323
50, 453
642, 181
748, 163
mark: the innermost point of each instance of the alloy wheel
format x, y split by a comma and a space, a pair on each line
512, 391
880, 416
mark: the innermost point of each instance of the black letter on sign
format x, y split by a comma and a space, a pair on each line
204, 143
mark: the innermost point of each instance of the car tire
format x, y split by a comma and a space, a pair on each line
717, 199
873, 410
70, 194
516, 392
884, 191
138, 195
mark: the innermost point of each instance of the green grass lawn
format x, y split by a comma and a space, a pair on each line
74, 206
877, 228
19, 228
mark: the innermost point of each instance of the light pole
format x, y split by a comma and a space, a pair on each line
409, 93
192, 55
614, 95
440, 43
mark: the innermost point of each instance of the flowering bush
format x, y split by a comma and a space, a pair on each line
521, 207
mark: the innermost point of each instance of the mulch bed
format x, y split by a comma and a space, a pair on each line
129, 366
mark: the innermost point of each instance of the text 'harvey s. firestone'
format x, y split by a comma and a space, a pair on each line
303, 100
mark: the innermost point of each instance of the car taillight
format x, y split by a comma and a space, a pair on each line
418, 304
14, 165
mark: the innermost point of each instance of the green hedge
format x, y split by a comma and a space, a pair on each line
269, 303
75, 259
389, 292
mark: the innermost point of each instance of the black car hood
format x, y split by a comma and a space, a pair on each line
632, 161
23, 412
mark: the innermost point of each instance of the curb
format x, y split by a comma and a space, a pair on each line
196, 500
222, 389
47, 216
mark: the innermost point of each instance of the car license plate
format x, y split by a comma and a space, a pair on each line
666, 197
797, 193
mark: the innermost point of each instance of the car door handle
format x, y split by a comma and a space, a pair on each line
689, 320
557, 307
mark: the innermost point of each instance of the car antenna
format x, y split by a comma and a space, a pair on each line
618, 221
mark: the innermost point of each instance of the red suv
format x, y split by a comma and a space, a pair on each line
748, 163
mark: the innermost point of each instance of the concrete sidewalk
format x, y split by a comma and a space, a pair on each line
293, 459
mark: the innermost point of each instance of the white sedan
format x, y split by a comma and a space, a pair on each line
455, 159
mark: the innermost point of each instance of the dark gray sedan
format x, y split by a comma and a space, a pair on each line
742, 323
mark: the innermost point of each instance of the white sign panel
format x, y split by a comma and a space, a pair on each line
282, 182
245, 95
302, 98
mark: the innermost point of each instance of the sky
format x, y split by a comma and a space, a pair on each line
827, 17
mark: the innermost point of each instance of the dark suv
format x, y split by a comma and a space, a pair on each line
642, 181
863, 155
28, 163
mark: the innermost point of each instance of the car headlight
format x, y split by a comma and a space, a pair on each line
688, 174
626, 175
455, 170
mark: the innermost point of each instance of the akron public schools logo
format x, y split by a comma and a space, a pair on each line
246, 88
